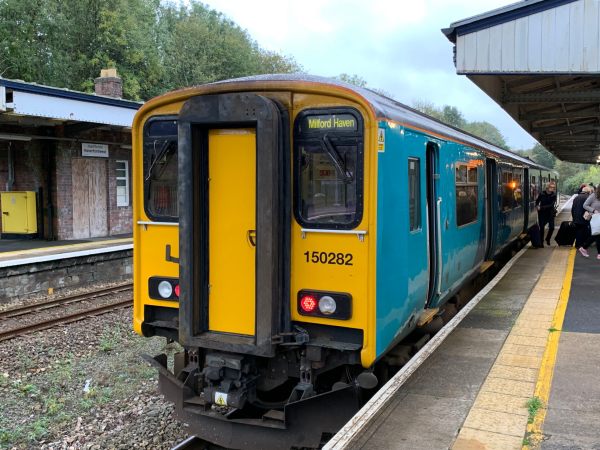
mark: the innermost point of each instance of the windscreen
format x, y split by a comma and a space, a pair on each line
328, 147
160, 169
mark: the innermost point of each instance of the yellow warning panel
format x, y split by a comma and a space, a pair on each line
18, 212
232, 230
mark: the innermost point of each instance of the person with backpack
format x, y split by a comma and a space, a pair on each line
582, 226
592, 205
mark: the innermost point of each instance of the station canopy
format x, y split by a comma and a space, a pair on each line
540, 61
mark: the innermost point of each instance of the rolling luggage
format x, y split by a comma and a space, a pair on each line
566, 234
535, 236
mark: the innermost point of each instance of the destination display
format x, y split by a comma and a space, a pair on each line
330, 122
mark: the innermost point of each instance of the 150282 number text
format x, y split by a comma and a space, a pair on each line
340, 259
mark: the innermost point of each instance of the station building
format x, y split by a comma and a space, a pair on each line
65, 160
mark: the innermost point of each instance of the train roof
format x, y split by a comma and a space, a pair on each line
386, 108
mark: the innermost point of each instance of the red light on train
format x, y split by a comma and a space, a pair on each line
177, 291
308, 303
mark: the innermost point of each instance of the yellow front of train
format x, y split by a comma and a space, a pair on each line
253, 205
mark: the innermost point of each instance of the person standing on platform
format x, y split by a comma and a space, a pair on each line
592, 205
582, 226
545, 203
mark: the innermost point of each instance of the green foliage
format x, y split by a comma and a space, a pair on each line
487, 131
452, 116
533, 406
352, 79
542, 156
155, 46
572, 183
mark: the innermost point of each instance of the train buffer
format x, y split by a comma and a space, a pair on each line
518, 371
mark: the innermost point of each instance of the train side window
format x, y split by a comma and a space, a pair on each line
467, 193
160, 169
414, 193
328, 169
533, 189
506, 184
516, 186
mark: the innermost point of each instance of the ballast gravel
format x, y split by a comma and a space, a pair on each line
84, 386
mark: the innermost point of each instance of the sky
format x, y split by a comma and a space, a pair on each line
394, 45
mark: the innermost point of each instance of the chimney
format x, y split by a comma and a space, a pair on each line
109, 84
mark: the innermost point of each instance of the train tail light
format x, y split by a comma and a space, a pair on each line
331, 305
308, 303
177, 290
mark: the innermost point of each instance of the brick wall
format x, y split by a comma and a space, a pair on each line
23, 281
31, 172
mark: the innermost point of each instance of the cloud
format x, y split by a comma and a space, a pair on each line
396, 46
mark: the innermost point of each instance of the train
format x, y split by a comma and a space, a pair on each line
290, 231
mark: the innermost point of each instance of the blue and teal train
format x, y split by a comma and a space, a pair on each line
292, 231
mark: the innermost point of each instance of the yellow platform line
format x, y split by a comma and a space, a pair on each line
544, 382
498, 418
63, 248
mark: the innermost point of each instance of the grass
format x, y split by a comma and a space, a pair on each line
553, 330
533, 406
111, 338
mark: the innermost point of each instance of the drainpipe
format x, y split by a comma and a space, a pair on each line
10, 182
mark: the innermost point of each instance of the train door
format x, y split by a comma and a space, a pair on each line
232, 230
433, 221
234, 225
491, 206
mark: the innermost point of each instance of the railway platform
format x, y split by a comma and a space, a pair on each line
519, 371
31, 267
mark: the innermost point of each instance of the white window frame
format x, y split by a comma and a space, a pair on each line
126, 178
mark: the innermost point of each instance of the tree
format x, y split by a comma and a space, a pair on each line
352, 79
542, 156
452, 116
488, 132
156, 46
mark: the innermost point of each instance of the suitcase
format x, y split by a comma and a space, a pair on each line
535, 236
566, 234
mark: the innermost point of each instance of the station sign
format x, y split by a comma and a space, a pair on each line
94, 150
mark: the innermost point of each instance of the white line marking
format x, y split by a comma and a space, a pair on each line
56, 256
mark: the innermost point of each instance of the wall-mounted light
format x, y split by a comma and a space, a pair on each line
14, 137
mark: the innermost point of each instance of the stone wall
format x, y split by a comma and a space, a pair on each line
35, 279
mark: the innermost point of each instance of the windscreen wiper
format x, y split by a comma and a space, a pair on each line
163, 150
347, 176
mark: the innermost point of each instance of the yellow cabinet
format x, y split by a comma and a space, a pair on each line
18, 212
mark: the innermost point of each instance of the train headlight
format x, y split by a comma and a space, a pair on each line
327, 305
165, 289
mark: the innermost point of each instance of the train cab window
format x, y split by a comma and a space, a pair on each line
414, 193
466, 194
160, 169
328, 169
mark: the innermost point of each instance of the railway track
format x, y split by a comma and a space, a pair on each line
64, 318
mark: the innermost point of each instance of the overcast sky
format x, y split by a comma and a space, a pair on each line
395, 45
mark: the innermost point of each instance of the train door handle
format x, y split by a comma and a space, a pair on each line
5, 213
251, 237
168, 256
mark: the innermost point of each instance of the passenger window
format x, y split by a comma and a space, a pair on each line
160, 170
466, 194
517, 188
533, 189
414, 193
507, 202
